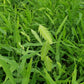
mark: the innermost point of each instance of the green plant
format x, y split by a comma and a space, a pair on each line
41, 41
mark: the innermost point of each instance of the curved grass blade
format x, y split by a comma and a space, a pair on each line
48, 78
7, 71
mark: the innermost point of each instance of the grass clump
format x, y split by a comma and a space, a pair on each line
41, 41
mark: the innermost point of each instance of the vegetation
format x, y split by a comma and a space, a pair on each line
41, 41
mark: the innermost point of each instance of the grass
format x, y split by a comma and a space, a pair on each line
41, 42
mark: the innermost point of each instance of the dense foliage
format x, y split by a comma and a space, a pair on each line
41, 41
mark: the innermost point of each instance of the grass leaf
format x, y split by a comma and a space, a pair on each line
44, 50
36, 36
48, 78
27, 74
74, 75
45, 34
7, 71
61, 25
48, 63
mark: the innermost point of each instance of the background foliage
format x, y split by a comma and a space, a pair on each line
41, 41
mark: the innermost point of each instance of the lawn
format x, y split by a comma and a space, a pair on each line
41, 41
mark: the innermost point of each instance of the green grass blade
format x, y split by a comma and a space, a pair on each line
23, 33
13, 64
44, 50
45, 34
50, 18
36, 36
26, 77
74, 75
61, 25
17, 33
48, 78
48, 63
7, 71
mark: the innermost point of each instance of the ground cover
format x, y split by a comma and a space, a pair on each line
41, 42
